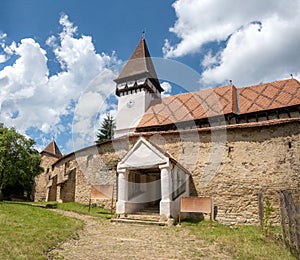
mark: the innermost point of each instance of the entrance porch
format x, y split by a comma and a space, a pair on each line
149, 178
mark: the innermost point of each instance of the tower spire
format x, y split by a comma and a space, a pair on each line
137, 88
52, 149
138, 67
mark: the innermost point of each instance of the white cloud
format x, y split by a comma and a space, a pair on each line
210, 60
10, 50
93, 104
68, 27
85, 115
52, 41
167, 89
3, 58
30, 98
259, 38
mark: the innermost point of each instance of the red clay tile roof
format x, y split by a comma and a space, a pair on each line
222, 101
268, 96
191, 106
52, 149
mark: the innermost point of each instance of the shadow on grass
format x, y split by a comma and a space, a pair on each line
104, 213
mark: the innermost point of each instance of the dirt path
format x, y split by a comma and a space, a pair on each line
101, 239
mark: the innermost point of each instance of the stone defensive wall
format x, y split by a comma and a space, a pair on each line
231, 163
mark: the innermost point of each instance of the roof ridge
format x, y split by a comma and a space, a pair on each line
197, 91
270, 83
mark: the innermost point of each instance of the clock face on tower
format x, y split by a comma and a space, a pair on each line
130, 103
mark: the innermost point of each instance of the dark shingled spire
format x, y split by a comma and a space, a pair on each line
52, 149
139, 66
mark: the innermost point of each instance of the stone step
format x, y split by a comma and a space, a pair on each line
150, 210
144, 216
143, 212
138, 221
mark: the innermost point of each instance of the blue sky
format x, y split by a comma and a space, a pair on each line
115, 25
52, 53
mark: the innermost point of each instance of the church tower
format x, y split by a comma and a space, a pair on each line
48, 157
137, 88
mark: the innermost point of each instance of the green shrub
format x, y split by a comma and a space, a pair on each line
268, 210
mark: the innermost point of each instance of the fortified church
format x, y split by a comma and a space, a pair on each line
228, 143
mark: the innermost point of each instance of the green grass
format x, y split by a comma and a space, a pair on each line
27, 232
84, 209
241, 242
78, 208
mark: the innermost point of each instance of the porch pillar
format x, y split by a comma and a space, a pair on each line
166, 192
122, 192
47, 194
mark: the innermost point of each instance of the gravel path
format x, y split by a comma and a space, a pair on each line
101, 239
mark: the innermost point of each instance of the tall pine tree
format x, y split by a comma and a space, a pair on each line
106, 132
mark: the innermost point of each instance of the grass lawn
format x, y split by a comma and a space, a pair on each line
77, 207
83, 209
241, 242
27, 232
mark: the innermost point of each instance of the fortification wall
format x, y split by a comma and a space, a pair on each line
232, 166
251, 160
72, 177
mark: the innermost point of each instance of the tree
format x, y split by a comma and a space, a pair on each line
19, 163
106, 132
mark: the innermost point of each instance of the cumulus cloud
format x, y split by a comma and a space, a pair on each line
167, 89
3, 58
32, 100
257, 39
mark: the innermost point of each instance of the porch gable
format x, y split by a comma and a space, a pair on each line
143, 155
